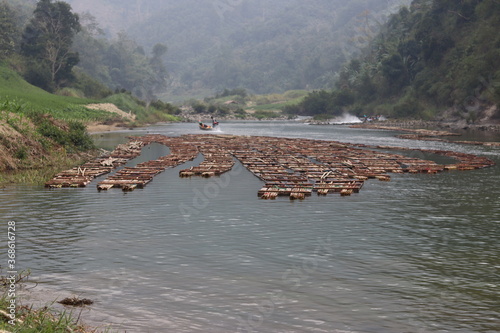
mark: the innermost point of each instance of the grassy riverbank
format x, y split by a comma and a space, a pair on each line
43, 133
17, 317
34, 144
46, 320
29, 320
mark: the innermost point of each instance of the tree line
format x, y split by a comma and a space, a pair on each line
263, 46
431, 56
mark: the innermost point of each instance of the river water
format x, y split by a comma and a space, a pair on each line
417, 254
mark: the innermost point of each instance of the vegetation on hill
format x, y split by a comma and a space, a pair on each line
238, 104
46, 45
37, 143
263, 46
432, 56
63, 52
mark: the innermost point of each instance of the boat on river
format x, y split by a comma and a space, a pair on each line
206, 127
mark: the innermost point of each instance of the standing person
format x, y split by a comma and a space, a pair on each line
214, 122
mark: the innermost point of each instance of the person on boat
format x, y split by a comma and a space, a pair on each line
214, 122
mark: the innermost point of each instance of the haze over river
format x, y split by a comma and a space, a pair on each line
417, 254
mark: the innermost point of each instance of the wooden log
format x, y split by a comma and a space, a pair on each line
128, 187
297, 196
104, 187
346, 192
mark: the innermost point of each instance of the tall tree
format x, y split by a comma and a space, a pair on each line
157, 80
48, 38
8, 30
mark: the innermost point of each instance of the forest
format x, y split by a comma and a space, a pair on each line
357, 57
429, 57
67, 53
262, 46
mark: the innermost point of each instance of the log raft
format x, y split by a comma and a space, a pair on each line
293, 168
82, 176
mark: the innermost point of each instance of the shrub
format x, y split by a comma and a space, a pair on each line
21, 153
51, 131
74, 138
199, 108
90, 87
79, 137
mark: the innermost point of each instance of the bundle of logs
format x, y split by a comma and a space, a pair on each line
288, 167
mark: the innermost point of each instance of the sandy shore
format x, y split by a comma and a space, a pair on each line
99, 127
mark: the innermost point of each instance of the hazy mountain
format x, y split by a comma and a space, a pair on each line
435, 59
260, 45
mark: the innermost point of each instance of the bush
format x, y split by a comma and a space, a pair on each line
79, 137
71, 92
265, 114
74, 138
51, 131
165, 107
90, 87
38, 75
199, 108
212, 109
21, 153
291, 109
292, 94
222, 111
233, 92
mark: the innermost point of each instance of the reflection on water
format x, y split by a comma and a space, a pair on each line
418, 254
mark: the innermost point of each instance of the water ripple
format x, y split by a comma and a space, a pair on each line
418, 254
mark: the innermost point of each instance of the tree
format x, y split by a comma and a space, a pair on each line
157, 80
48, 38
8, 31
394, 70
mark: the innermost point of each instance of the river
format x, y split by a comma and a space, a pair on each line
417, 254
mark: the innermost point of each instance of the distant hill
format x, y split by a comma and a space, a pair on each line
434, 59
263, 46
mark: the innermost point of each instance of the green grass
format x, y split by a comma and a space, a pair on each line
125, 102
128, 103
277, 101
262, 114
18, 96
277, 106
37, 320
13, 86
45, 320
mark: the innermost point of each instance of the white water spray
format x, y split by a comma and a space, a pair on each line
346, 118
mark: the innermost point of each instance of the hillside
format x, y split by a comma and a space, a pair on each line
39, 130
432, 60
263, 46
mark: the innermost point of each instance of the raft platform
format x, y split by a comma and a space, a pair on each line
293, 168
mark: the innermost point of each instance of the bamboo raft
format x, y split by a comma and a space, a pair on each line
216, 162
293, 168
82, 176
130, 178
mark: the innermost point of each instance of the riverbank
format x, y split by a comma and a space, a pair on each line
33, 147
200, 271
98, 127
455, 127
39, 314
433, 131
